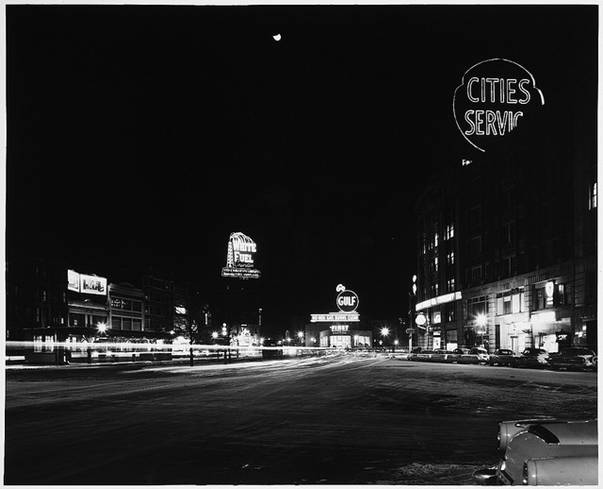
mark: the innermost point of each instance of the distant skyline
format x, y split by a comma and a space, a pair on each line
142, 136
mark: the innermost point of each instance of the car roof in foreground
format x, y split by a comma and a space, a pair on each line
574, 432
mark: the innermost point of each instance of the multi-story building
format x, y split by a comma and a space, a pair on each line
48, 302
126, 309
507, 253
159, 307
36, 301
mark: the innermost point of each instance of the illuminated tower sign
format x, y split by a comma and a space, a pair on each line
240, 257
493, 99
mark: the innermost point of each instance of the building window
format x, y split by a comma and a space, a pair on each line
476, 306
450, 285
37, 314
435, 264
43, 296
592, 197
449, 231
450, 315
435, 240
476, 273
510, 302
475, 216
560, 298
450, 258
476, 245
509, 232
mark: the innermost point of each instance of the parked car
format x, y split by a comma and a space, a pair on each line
503, 357
457, 353
423, 355
533, 358
575, 358
441, 355
475, 355
545, 452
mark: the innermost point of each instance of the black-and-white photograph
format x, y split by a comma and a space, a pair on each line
301, 244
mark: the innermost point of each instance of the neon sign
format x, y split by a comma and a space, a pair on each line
240, 257
347, 301
493, 98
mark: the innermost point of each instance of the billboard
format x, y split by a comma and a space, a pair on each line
86, 284
73, 280
91, 284
240, 257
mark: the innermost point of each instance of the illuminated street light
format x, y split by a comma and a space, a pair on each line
300, 335
313, 340
172, 332
102, 327
396, 342
215, 335
481, 320
384, 332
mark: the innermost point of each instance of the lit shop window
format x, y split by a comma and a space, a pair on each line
592, 197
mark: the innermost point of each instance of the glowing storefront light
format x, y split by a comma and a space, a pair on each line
436, 301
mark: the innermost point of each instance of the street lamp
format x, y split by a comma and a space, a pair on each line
300, 336
102, 327
214, 335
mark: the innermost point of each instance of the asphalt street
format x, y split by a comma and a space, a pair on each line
338, 419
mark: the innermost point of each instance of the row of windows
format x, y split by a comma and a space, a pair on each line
126, 324
434, 242
126, 304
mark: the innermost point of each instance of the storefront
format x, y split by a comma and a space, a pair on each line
340, 329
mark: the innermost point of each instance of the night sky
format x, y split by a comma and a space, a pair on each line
143, 136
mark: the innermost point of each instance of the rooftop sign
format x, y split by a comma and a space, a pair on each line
240, 257
493, 98
86, 284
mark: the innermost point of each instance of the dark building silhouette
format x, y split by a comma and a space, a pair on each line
507, 251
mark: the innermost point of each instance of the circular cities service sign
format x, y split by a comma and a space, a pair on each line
347, 301
494, 99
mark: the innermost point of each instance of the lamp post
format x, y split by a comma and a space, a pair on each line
384, 333
412, 301
300, 337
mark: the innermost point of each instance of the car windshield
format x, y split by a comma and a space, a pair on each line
576, 351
